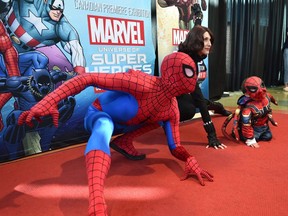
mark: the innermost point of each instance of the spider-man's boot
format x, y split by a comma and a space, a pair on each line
211, 134
124, 145
97, 166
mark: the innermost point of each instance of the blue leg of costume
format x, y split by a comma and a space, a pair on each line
101, 127
262, 133
98, 157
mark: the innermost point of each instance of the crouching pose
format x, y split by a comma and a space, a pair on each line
252, 117
136, 103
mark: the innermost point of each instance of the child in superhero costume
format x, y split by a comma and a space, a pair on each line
136, 104
252, 117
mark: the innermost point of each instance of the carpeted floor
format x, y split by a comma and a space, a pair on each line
246, 181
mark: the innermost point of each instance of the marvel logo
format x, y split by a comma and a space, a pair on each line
178, 36
115, 31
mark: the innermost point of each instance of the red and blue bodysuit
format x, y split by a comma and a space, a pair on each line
134, 103
252, 117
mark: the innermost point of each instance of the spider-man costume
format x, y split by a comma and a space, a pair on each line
9, 52
136, 103
251, 119
10, 56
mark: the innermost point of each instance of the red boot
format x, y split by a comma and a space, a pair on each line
97, 166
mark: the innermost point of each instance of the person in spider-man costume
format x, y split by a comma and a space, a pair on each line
136, 104
190, 12
252, 117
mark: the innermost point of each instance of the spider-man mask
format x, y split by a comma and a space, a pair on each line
254, 87
179, 71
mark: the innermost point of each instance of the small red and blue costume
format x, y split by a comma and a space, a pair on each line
134, 104
252, 117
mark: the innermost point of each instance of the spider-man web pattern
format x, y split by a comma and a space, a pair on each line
135, 104
10, 57
9, 53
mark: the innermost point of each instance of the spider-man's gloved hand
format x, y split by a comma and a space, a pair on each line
192, 168
46, 107
211, 135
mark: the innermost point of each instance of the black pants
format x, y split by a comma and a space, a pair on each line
187, 104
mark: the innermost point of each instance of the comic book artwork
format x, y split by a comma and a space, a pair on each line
38, 24
41, 38
31, 66
183, 15
190, 11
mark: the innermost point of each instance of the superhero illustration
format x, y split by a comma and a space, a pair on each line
251, 118
8, 54
190, 11
14, 65
8, 63
134, 103
26, 62
41, 25
28, 90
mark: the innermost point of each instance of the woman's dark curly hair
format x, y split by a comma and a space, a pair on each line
194, 41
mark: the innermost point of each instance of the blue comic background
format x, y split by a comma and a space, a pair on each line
51, 51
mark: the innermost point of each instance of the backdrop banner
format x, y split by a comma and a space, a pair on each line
56, 38
174, 20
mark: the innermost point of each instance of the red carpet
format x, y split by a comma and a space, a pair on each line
247, 181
